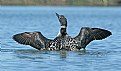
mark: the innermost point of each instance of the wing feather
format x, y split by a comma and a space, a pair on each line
87, 35
34, 39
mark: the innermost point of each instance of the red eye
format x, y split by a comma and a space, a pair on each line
60, 18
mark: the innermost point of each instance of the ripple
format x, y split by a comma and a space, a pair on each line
99, 56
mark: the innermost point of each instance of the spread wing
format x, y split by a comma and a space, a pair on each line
34, 39
87, 35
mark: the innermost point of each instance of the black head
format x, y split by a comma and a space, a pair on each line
62, 20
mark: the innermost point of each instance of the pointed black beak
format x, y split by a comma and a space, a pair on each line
57, 15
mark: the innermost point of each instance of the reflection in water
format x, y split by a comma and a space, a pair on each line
35, 54
28, 57
63, 54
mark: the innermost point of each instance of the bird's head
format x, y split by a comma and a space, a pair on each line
62, 20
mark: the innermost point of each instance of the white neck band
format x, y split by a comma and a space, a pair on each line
63, 26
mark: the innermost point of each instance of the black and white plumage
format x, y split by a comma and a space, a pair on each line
34, 39
38, 41
63, 41
87, 35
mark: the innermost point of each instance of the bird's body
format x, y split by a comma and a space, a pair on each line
36, 40
62, 41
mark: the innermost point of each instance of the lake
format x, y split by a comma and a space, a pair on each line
103, 55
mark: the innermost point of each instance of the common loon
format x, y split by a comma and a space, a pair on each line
62, 41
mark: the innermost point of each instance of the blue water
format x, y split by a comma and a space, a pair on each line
103, 55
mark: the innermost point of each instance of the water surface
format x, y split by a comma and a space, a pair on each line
99, 55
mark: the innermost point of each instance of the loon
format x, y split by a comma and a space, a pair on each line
63, 41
